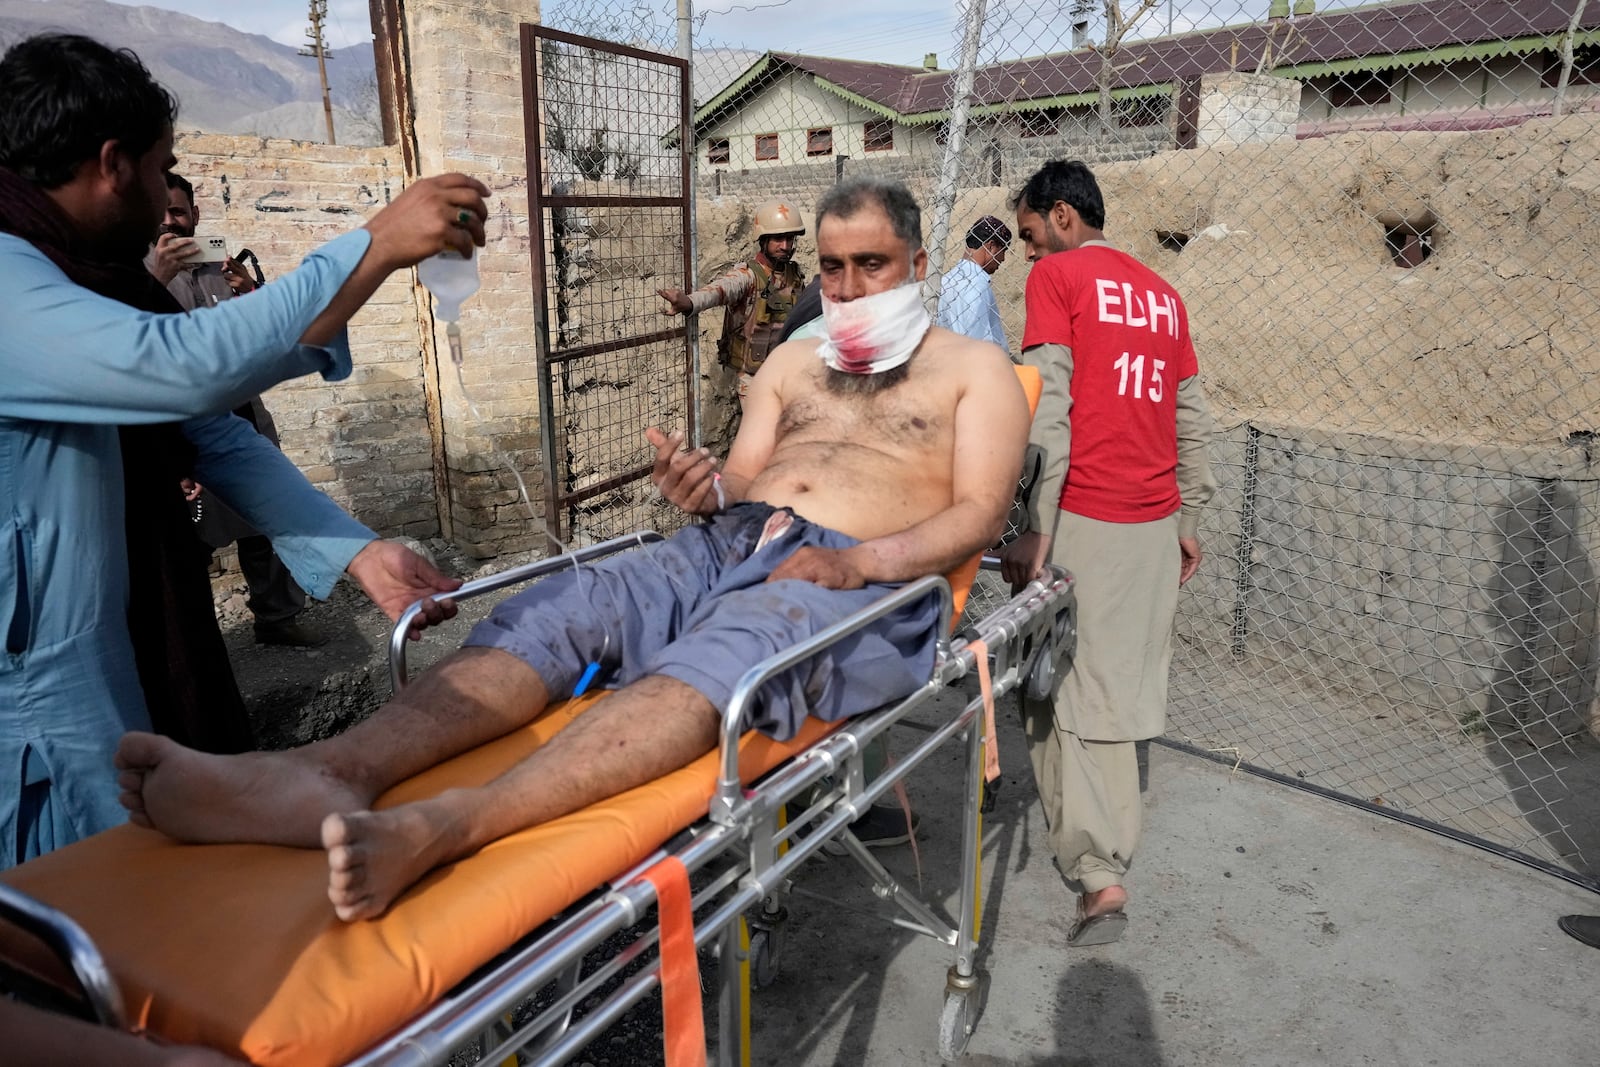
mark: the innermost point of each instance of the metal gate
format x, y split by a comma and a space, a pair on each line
609, 222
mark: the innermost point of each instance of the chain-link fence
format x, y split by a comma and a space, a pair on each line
609, 188
1382, 221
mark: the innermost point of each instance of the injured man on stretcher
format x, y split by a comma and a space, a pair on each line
885, 452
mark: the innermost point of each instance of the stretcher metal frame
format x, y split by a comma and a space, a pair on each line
742, 857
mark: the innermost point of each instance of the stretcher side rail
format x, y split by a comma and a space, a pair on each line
399, 636
725, 804
71, 946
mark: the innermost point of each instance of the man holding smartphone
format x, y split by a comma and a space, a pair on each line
178, 261
196, 280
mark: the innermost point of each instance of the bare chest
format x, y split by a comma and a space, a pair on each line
896, 421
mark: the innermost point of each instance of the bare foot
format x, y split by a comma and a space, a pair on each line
274, 798
374, 856
1112, 898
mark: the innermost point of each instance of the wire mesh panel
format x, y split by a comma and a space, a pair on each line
1383, 221
609, 192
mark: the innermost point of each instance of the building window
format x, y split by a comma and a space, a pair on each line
879, 135
1585, 67
766, 146
819, 142
1145, 111
1362, 88
718, 151
1045, 123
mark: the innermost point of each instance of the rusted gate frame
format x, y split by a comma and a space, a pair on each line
557, 498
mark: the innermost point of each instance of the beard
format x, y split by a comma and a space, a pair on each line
839, 383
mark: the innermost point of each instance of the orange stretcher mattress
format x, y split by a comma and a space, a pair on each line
237, 947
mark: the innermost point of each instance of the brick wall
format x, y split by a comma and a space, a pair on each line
396, 443
364, 441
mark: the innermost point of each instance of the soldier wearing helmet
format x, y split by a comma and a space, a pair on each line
758, 293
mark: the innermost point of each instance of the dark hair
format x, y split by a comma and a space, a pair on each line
851, 195
988, 229
1071, 183
178, 181
64, 96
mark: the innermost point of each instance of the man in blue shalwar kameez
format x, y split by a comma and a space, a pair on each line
84, 350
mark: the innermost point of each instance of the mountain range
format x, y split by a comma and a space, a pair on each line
229, 81
226, 80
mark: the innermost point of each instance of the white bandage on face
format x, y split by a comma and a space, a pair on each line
875, 333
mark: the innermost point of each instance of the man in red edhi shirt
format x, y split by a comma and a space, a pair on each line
1124, 426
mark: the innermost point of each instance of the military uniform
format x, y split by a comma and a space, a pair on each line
757, 296
758, 301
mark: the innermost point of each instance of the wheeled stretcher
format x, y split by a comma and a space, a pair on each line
236, 946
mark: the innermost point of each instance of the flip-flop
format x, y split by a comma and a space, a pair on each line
1100, 929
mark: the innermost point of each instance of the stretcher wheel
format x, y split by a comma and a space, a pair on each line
1051, 658
763, 958
1042, 677
956, 1021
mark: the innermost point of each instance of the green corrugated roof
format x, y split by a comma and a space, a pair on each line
859, 100
1135, 92
1519, 46
735, 87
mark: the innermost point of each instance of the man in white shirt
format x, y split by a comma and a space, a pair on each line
966, 298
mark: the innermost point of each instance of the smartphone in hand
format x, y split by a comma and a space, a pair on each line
213, 248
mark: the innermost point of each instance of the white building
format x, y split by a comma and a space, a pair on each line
1425, 64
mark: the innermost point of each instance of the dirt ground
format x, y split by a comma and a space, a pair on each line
298, 695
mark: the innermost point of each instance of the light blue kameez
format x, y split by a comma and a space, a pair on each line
73, 366
967, 305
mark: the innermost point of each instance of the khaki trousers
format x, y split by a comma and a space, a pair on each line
1090, 794
1082, 743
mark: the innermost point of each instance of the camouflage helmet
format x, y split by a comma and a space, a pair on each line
778, 217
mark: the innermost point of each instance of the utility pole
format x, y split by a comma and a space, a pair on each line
319, 11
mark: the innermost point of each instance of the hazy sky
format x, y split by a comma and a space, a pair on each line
894, 31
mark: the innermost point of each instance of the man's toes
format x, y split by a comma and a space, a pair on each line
345, 871
138, 751
336, 831
357, 910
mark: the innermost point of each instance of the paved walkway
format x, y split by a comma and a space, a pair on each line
1268, 927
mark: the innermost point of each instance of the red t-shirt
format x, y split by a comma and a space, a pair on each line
1129, 335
